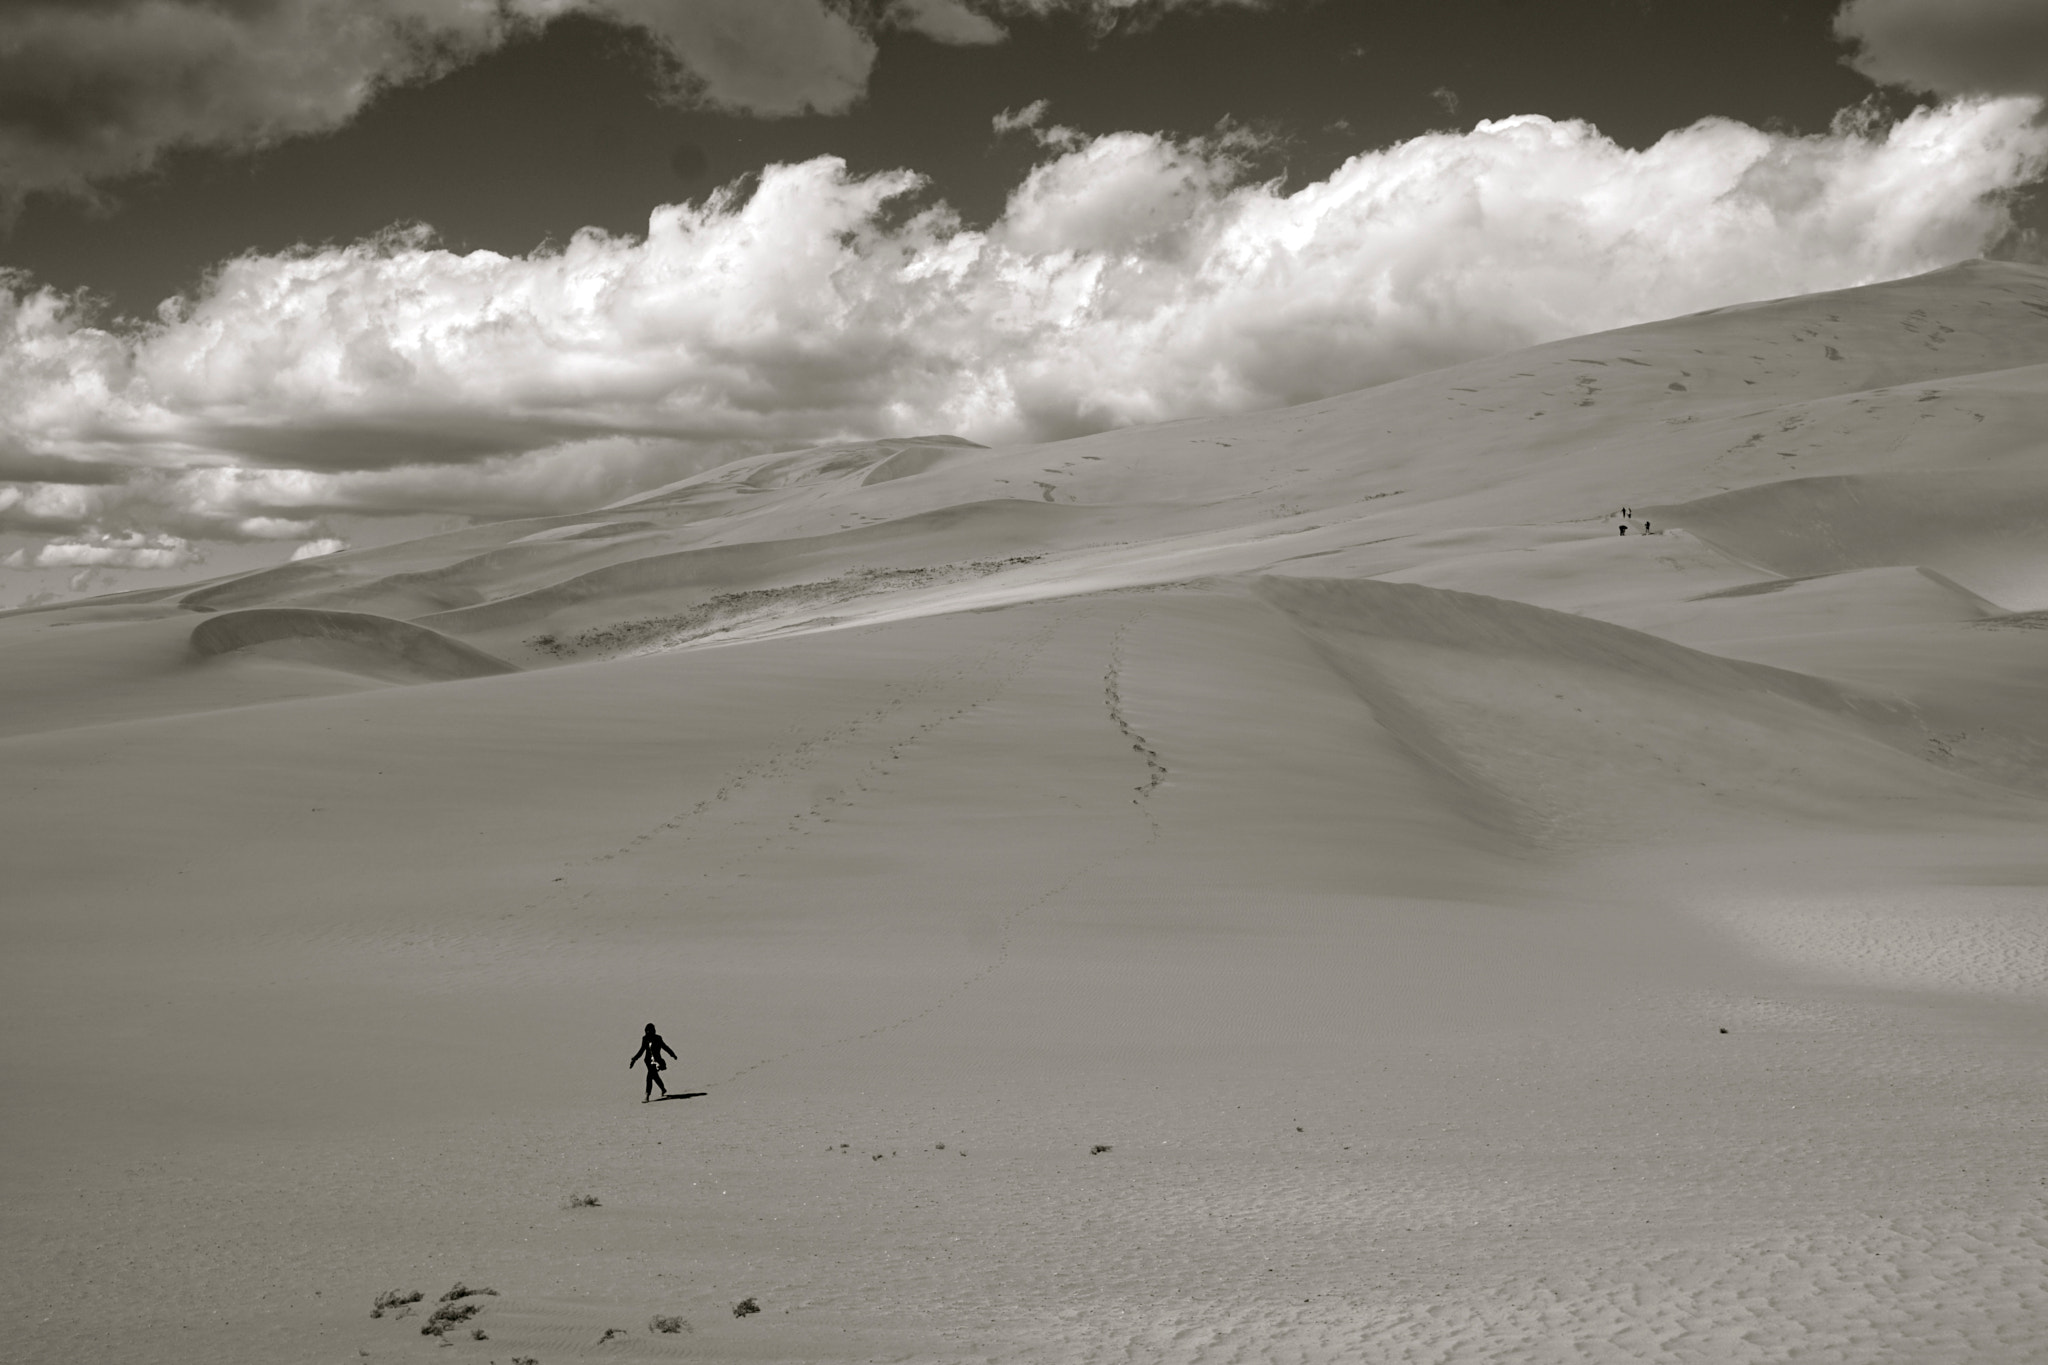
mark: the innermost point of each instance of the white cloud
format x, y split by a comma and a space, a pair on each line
272, 528
131, 551
945, 21
1031, 120
1952, 47
1131, 278
1018, 120
314, 549
1117, 195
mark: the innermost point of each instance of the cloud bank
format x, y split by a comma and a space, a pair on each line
91, 90
131, 551
1951, 47
1131, 278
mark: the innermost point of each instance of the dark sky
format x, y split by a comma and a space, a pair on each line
562, 129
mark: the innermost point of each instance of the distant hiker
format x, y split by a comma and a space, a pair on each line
1623, 528
1646, 528
651, 1048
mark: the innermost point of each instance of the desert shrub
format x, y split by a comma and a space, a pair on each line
745, 1307
581, 1201
1099, 1148
663, 1322
449, 1315
394, 1298
463, 1291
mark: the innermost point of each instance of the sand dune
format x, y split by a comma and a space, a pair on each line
1987, 531
873, 461
1592, 731
355, 642
95, 664
800, 571
1296, 886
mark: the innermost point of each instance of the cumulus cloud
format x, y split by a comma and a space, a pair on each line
314, 549
1114, 195
131, 551
1951, 47
1132, 277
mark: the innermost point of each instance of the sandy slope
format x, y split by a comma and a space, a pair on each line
1471, 934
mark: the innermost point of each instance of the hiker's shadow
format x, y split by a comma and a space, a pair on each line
683, 1095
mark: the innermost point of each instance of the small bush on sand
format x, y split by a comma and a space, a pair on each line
394, 1298
581, 1201
609, 1333
745, 1307
524, 1360
663, 1322
1098, 1149
449, 1315
479, 1334
463, 1291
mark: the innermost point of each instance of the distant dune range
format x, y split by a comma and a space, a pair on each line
1298, 886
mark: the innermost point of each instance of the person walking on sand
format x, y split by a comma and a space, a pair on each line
651, 1048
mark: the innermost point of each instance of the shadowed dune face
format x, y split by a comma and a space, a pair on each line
1587, 731
872, 461
798, 572
1298, 886
1988, 531
352, 641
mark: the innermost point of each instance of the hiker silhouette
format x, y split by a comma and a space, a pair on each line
651, 1048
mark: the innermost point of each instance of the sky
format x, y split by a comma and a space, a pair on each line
289, 276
